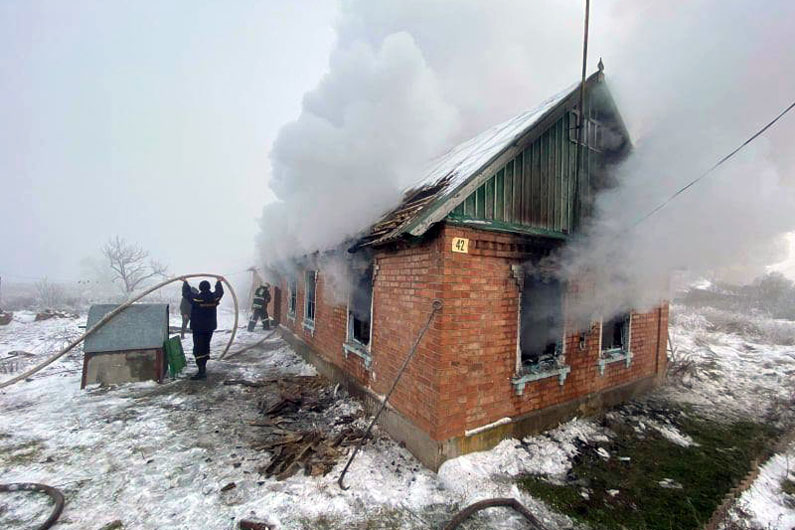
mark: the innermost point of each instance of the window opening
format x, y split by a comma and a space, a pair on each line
292, 287
615, 334
541, 330
310, 277
359, 306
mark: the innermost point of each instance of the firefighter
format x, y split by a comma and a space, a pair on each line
259, 307
184, 310
203, 321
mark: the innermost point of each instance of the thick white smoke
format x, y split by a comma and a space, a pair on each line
363, 134
694, 84
693, 79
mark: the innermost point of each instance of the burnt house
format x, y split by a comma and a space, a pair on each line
502, 358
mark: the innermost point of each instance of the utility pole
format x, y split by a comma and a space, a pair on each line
581, 122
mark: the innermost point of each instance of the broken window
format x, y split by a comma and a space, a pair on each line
292, 291
541, 330
615, 334
359, 305
310, 279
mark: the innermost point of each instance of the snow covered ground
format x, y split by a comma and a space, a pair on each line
739, 374
766, 505
158, 456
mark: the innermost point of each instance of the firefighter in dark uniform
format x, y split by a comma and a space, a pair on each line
203, 321
259, 307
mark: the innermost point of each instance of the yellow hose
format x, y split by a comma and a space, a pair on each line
118, 310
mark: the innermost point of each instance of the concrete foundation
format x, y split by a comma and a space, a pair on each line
113, 368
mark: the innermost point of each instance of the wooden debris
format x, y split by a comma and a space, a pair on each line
229, 486
293, 443
310, 451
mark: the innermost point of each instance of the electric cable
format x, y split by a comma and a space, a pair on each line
713, 168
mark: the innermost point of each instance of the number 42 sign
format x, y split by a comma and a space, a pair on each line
461, 244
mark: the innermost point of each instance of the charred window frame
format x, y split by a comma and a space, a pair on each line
310, 298
360, 313
615, 341
541, 329
292, 296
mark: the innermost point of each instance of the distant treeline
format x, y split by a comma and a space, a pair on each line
772, 294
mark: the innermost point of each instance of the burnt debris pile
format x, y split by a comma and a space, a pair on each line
307, 425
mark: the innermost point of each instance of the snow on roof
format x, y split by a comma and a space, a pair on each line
448, 172
463, 160
139, 327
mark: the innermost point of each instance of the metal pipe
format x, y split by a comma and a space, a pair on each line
437, 306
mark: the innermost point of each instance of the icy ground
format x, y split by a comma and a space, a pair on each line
158, 456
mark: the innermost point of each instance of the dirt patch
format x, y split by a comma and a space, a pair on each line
20, 453
662, 468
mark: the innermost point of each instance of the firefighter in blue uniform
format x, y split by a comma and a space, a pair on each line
259, 307
203, 320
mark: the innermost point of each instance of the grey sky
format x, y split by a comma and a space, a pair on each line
151, 120
154, 120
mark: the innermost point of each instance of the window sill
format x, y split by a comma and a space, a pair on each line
309, 325
613, 356
520, 380
359, 350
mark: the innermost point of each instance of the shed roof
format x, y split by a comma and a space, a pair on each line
139, 327
447, 180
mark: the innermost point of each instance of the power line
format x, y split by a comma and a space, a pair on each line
713, 168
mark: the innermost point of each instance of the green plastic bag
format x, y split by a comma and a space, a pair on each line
175, 356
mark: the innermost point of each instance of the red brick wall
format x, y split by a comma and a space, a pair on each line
407, 280
460, 378
479, 340
330, 322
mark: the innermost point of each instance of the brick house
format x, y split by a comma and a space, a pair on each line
501, 358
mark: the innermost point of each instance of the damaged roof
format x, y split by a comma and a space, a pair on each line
451, 177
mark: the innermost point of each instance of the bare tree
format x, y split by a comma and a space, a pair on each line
131, 264
48, 294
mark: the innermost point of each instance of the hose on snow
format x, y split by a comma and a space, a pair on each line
53, 493
69, 347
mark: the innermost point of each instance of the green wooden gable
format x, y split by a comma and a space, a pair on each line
536, 191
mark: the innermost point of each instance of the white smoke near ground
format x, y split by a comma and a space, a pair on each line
408, 79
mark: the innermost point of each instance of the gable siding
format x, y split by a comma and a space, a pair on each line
535, 189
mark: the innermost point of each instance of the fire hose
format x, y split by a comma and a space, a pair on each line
107, 318
54, 494
470, 510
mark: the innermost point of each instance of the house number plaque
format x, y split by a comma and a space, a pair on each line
461, 244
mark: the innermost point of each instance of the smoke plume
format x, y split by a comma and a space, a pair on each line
409, 79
